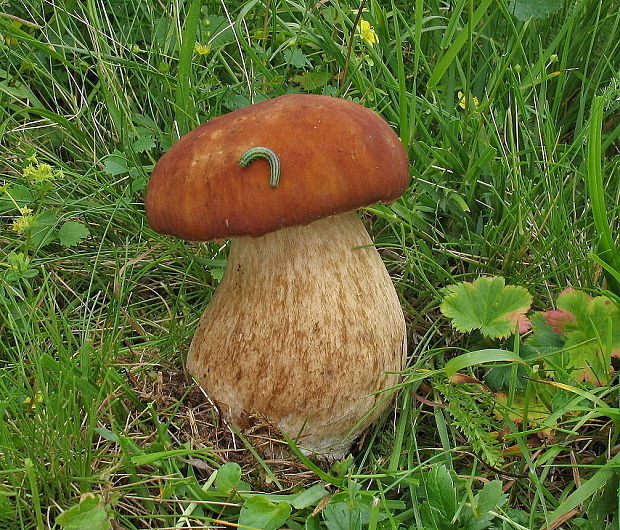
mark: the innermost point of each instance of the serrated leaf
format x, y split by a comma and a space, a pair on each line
71, 233
440, 492
525, 9
115, 164
227, 478
341, 516
295, 57
591, 328
544, 336
489, 305
90, 514
259, 512
312, 80
143, 143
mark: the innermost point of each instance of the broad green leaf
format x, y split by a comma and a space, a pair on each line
219, 30
258, 512
524, 9
227, 478
71, 233
591, 328
42, 228
489, 305
312, 80
115, 164
143, 143
342, 516
312, 523
440, 491
90, 514
533, 408
295, 57
15, 196
490, 497
544, 339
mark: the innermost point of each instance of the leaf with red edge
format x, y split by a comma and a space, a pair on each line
558, 319
488, 304
591, 328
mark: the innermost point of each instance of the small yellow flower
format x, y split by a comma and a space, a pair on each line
22, 223
32, 402
202, 49
37, 173
368, 32
463, 102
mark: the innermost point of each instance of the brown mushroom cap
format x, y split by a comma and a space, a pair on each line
335, 156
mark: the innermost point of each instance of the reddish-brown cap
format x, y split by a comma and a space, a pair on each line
335, 156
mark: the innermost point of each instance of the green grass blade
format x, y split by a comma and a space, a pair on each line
185, 108
450, 55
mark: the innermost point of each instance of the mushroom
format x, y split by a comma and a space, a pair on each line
305, 328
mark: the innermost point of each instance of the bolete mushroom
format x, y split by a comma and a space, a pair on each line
305, 327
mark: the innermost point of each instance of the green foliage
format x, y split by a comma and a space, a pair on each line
259, 512
512, 134
472, 414
90, 513
487, 304
71, 233
590, 330
524, 9
441, 511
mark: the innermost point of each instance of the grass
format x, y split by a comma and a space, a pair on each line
97, 311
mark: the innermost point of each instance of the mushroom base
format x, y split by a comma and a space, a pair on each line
303, 330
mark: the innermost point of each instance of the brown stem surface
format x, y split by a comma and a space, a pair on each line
302, 330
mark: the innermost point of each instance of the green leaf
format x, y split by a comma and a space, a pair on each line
295, 57
524, 9
309, 497
90, 514
489, 305
227, 478
143, 143
490, 497
71, 233
220, 30
477, 357
341, 516
42, 228
588, 488
312, 80
591, 328
440, 491
115, 164
259, 512
15, 196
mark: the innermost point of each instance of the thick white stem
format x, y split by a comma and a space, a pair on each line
302, 330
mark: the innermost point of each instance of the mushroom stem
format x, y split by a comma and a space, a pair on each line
303, 330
